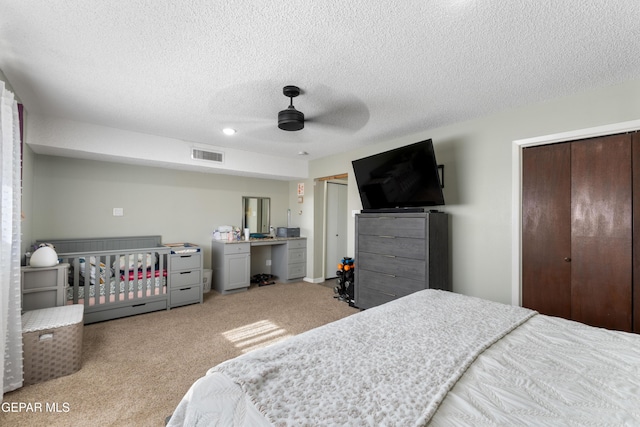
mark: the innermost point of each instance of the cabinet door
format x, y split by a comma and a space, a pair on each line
546, 230
601, 232
237, 271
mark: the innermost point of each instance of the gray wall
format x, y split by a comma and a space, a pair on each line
75, 198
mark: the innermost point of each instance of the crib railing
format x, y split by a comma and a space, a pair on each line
105, 279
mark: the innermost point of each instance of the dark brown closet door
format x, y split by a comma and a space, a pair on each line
636, 231
546, 238
601, 232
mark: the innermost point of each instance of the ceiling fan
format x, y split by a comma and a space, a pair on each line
291, 119
327, 111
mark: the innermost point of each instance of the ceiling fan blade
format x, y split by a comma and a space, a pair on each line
347, 115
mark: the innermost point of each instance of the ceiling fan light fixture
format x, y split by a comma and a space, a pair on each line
291, 119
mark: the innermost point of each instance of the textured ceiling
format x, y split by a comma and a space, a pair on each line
370, 71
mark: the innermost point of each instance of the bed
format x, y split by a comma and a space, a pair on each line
115, 277
431, 358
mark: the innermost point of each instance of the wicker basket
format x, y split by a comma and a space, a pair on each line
52, 340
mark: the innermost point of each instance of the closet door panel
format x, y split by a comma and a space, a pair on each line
546, 238
601, 230
636, 230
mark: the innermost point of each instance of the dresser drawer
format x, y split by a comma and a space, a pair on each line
40, 299
297, 244
45, 278
185, 295
395, 266
392, 226
297, 270
391, 285
186, 261
297, 255
405, 247
186, 278
368, 299
237, 248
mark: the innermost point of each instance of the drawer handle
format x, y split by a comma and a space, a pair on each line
389, 256
393, 276
185, 256
138, 305
185, 289
387, 293
186, 272
387, 237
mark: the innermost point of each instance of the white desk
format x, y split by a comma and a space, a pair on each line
231, 261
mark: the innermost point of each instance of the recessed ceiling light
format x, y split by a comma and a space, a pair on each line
228, 131
302, 153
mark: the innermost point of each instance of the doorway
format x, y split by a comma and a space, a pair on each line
336, 215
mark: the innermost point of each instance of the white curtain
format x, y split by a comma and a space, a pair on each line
10, 319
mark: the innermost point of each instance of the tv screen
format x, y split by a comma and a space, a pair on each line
400, 178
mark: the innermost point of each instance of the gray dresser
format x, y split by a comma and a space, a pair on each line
185, 282
397, 254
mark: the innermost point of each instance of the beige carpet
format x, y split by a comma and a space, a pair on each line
135, 370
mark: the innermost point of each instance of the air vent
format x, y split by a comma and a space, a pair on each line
211, 156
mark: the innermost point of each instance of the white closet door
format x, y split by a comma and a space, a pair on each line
336, 231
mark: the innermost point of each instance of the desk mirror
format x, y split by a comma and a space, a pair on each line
255, 214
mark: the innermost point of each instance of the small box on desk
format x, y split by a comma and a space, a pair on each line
288, 232
52, 341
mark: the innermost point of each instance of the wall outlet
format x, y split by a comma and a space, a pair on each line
268, 262
118, 211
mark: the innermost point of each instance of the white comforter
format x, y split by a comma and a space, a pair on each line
549, 372
390, 365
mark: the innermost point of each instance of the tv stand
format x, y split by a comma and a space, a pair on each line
394, 210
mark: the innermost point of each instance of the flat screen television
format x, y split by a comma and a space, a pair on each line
405, 177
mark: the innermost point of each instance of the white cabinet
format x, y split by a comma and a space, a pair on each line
185, 281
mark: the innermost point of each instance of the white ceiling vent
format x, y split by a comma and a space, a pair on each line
210, 156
